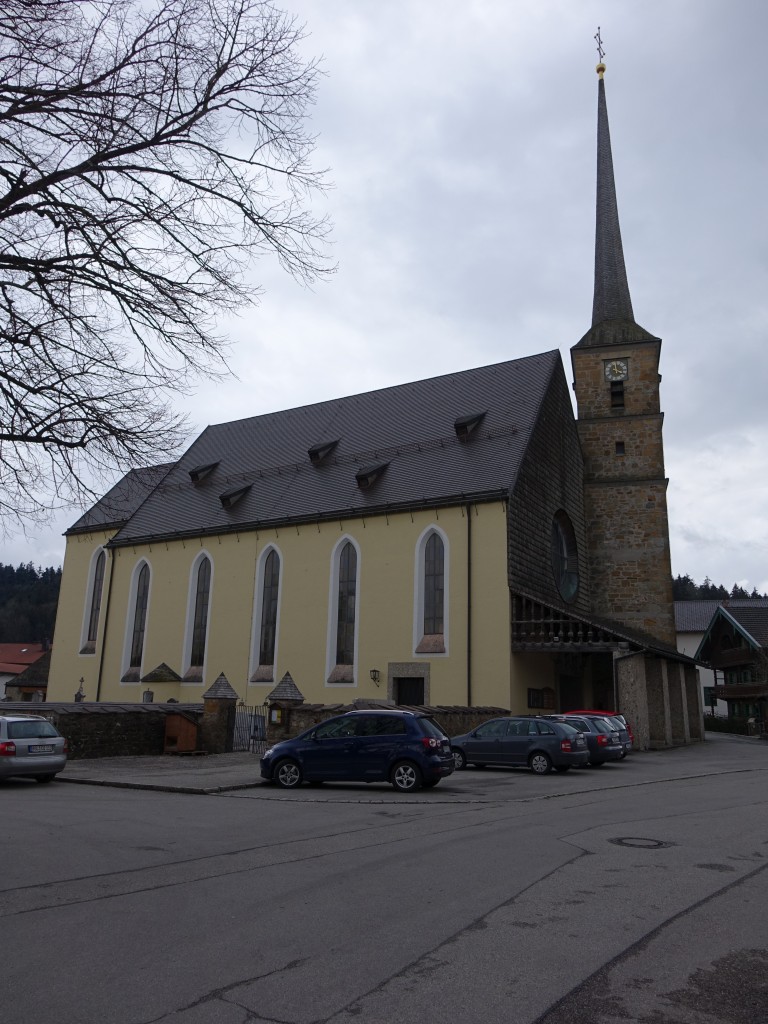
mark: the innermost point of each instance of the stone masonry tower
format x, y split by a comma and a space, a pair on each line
616, 381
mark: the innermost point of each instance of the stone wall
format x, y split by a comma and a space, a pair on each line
107, 730
629, 541
294, 720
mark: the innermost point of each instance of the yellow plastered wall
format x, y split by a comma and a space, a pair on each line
386, 594
68, 666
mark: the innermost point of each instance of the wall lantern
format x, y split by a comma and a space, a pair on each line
375, 675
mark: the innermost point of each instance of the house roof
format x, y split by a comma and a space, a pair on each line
753, 620
35, 674
695, 616
750, 622
16, 658
121, 501
396, 448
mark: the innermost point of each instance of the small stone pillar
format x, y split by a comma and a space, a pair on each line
217, 726
286, 695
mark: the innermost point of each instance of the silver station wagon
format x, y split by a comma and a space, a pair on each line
31, 746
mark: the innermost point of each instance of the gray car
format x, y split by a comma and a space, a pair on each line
521, 741
30, 746
603, 741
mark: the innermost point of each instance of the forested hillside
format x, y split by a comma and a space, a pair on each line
28, 599
685, 589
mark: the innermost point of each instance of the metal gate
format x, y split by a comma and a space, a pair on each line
250, 729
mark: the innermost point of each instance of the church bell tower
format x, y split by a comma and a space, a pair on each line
616, 381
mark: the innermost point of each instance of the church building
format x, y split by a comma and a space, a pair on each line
458, 541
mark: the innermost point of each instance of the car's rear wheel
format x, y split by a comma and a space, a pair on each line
287, 774
562, 767
459, 759
540, 763
45, 778
406, 777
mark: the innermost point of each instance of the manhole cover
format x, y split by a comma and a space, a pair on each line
640, 843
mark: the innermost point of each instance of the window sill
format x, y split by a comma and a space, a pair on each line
342, 674
432, 643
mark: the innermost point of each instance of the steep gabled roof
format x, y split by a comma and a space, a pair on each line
410, 428
753, 621
121, 501
750, 622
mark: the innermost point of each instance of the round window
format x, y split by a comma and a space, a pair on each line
565, 559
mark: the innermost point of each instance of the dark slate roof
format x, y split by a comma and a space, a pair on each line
162, 674
286, 689
220, 688
121, 501
36, 673
752, 619
695, 616
613, 321
410, 427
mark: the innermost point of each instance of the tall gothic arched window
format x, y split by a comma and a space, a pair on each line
342, 626
139, 618
345, 622
430, 611
434, 585
200, 617
97, 585
269, 594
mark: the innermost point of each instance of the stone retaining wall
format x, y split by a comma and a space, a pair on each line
296, 718
107, 730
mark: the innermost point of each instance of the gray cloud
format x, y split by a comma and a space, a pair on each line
461, 138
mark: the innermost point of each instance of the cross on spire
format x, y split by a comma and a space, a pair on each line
599, 41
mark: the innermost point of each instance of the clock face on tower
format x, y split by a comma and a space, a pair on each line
616, 369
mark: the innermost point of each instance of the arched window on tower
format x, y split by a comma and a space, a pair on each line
94, 591
200, 592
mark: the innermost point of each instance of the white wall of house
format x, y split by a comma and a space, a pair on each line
688, 643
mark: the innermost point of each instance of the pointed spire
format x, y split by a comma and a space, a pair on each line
611, 301
613, 320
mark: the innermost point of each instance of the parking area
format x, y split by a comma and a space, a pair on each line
239, 772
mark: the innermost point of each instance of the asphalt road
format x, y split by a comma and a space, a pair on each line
633, 893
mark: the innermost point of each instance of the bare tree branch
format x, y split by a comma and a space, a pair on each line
148, 152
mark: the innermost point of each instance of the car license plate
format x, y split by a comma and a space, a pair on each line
41, 748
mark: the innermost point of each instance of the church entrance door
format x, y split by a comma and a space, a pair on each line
409, 690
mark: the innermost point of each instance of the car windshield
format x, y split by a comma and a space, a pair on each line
30, 730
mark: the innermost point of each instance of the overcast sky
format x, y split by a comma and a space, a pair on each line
460, 137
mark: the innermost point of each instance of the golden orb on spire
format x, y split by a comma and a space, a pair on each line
600, 69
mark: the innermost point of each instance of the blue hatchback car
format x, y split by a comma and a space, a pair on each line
405, 748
